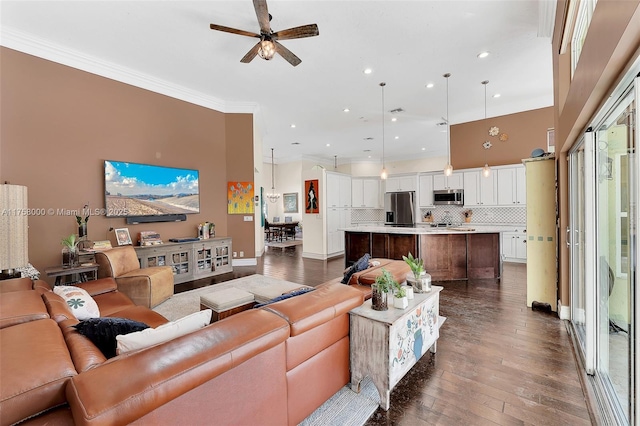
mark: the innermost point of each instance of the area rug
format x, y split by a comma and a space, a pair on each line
284, 244
183, 304
346, 407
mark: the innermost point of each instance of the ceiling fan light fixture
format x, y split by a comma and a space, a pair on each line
267, 49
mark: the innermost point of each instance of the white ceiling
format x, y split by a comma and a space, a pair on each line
407, 44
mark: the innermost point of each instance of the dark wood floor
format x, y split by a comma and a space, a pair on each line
498, 362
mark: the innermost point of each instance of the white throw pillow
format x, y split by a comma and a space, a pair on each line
80, 302
163, 333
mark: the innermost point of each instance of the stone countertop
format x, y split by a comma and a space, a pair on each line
465, 228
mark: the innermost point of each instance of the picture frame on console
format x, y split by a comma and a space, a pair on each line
123, 238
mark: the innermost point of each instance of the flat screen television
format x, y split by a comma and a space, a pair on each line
145, 190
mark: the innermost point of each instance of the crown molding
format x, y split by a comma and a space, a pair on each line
27, 43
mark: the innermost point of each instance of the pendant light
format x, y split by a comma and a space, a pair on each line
273, 196
448, 169
486, 170
383, 174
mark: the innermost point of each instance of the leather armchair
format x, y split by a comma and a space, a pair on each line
145, 286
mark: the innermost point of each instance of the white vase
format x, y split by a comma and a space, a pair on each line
400, 302
408, 291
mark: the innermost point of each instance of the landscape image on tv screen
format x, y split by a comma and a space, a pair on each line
133, 189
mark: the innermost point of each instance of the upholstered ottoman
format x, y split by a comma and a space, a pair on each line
226, 302
268, 292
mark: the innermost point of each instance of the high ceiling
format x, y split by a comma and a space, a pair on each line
406, 44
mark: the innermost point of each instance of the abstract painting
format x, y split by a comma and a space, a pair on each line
240, 197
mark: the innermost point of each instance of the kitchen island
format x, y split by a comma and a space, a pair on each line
451, 253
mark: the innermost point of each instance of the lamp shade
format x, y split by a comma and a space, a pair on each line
14, 239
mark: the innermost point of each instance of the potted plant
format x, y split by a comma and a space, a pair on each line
380, 290
400, 297
69, 250
418, 278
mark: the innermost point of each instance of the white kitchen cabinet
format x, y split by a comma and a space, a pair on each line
513, 246
401, 183
338, 190
455, 181
345, 190
425, 191
365, 193
512, 189
336, 218
479, 190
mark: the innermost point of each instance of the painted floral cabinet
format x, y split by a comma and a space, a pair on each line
386, 344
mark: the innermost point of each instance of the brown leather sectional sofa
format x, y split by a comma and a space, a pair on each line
362, 280
272, 365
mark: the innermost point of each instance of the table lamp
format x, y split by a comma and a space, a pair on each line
14, 239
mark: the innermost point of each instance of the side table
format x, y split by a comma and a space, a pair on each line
83, 272
385, 345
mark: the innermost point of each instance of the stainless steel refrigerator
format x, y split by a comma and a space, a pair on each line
399, 208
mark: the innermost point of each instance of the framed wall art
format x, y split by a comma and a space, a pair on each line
290, 201
240, 197
312, 201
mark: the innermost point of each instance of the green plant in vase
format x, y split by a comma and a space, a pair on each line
69, 250
380, 290
400, 296
421, 281
416, 265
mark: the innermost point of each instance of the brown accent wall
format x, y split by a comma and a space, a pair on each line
239, 160
611, 46
526, 130
59, 124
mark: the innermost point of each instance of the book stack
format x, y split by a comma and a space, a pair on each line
149, 238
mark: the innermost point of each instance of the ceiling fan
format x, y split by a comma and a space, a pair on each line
268, 45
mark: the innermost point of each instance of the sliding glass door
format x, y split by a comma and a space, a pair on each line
615, 137
576, 242
602, 237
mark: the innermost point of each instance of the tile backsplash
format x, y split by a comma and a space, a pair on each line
485, 215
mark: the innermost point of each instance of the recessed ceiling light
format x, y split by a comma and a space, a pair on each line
397, 137
346, 110
483, 55
424, 149
368, 71
429, 86
293, 126
497, 95
328, 144
394, 119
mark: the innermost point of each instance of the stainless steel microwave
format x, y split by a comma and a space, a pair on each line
449, 197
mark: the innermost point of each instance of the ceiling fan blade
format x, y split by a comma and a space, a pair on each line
287, 54
263, 15
233, 30
251, 54
310, 30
